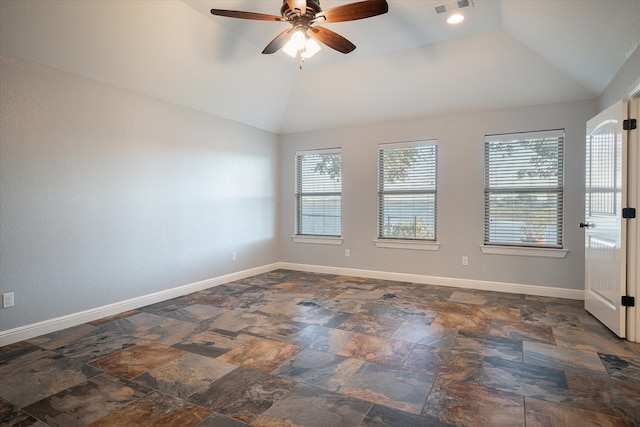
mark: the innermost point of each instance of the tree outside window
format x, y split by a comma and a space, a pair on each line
524, 189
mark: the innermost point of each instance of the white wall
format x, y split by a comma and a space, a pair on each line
460, 197
107, 195
627, 77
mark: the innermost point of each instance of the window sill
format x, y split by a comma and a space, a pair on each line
523, 251
318, 240
406, 244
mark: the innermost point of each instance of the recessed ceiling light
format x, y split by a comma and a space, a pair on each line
456, 18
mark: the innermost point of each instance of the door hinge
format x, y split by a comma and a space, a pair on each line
629, 124
628, 213
628, 301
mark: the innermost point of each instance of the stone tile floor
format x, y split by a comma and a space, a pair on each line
288, 348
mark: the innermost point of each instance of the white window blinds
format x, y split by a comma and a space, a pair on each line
524, 189
407, 175
318, 192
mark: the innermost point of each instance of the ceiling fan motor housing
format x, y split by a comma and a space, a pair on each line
313, 7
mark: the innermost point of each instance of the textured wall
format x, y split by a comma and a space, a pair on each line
107, 195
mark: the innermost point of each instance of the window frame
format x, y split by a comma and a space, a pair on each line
525, 246
299, 194
399, 242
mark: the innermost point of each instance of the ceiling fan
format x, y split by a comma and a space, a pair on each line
303, 15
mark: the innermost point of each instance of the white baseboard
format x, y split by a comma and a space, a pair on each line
483, 285
36, 329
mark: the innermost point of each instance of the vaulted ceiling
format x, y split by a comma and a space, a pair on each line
408, 63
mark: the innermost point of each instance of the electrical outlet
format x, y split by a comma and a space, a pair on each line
465, 260
233, 256
8, 300
347, 253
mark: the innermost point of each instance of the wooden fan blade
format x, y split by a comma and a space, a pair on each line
277, 43
246, 15
353, 11
301, 5
331, 39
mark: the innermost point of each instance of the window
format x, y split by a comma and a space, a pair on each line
318, 192
523, 198
407, 190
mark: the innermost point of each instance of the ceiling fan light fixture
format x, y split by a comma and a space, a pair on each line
311, 47
300, 43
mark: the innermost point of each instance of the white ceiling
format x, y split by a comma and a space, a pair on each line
408, 62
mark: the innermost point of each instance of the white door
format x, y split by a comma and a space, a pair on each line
605, 234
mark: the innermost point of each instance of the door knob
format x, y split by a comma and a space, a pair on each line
585, 225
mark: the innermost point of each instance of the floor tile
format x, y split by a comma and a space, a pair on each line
378, 326
500, 313
219, 420
313, 407
605, 395
526, 380
361, 294
14, 347
622, 368
343, 305
185, 375
138, 359
292, 348
243, 394
554, 300
100, 343
285, 310
540, 413
212, 344
321, 317
445, 363
156, 410
522, 331
320, 369
382, 416
426, 334
536, 316
395, 307
34, 375
568, 359
589, 339
64, 337
195, 313
469, 298
261, 354
487, 345
379, 350
465, 404
213, 297
234, 321
12, 416
392, 387
20, 354
87, 402
322, 338
633, 346
456, 316
152, 327
277, 329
